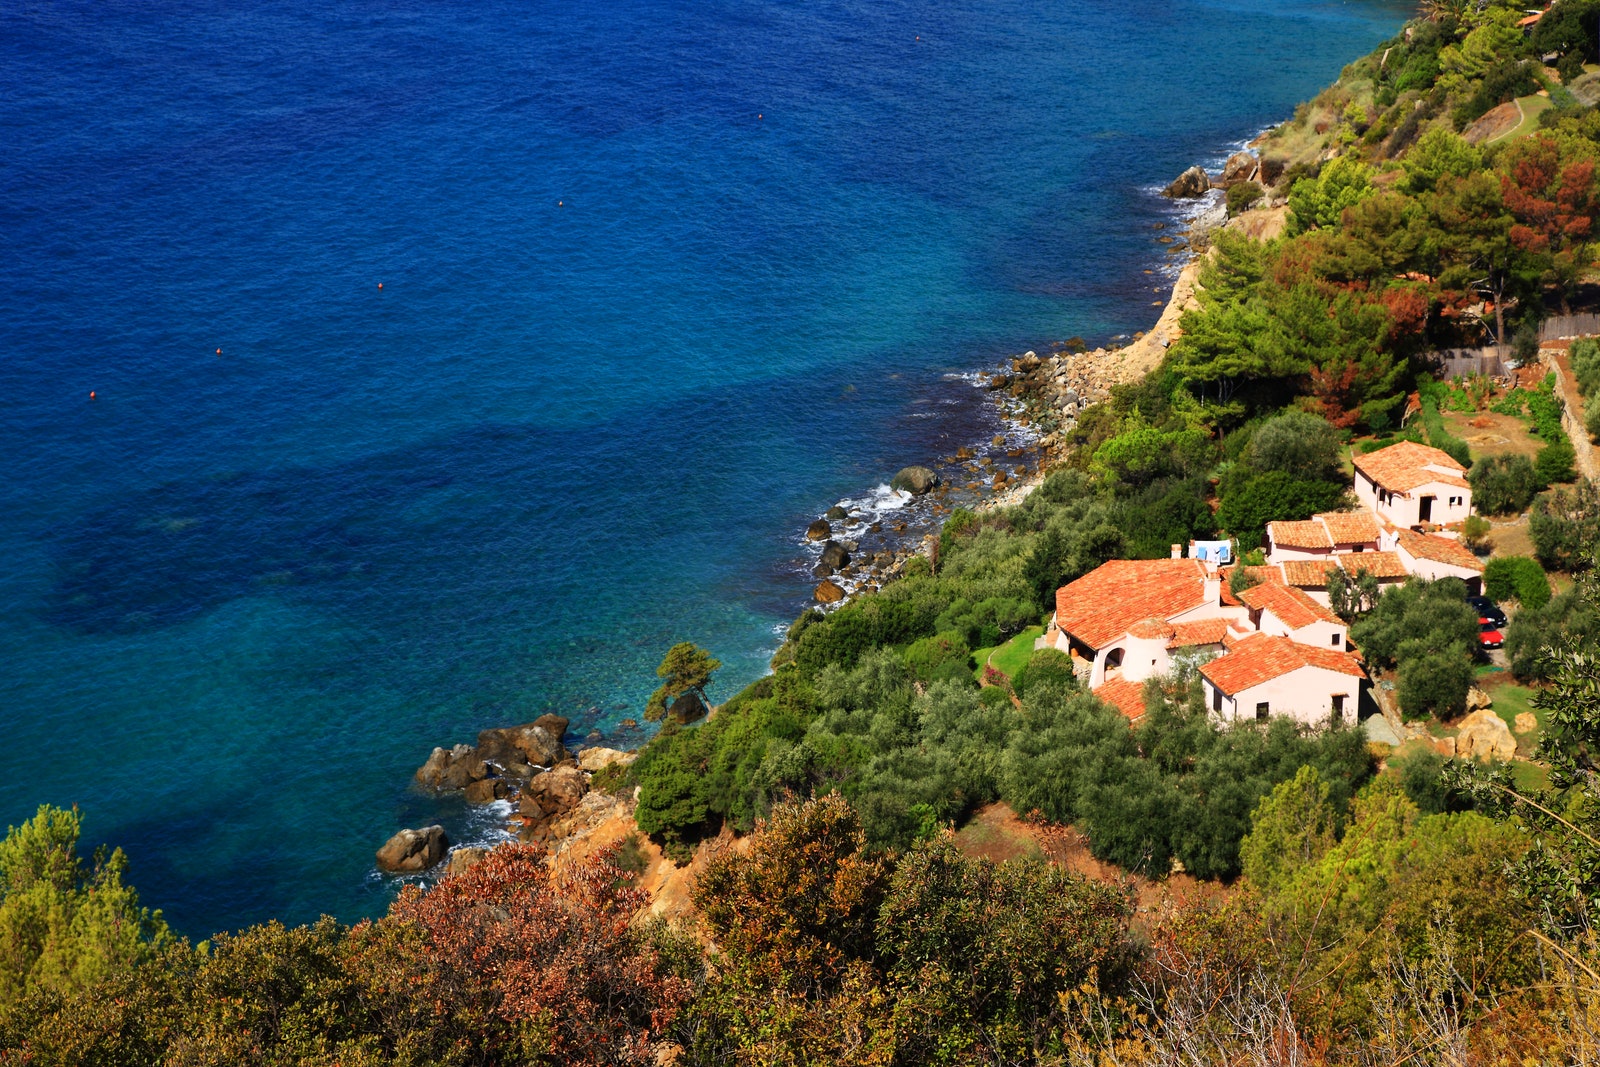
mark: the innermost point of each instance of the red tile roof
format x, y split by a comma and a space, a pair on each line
1439, 549
1100, 607
1350, 527
1299, 535
1260, 658
1261, 574
1127, 697
1203, 632
1308, 573
1399, 468
1378, 564
1151, 629
1289, 604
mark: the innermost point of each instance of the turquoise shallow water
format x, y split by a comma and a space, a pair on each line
660, 282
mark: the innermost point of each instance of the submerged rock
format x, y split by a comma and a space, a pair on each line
410, 851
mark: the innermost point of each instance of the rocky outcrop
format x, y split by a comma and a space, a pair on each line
598, 759
914, 480
836, 514
827, 592
1192, 183
487, 790
451, 768
410, 851
1240, 167
820, 530
687, 708
1477, 699
1484, 735
464, 859
547, 797
530, 744
834, 556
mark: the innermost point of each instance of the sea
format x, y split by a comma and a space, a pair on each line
373, 373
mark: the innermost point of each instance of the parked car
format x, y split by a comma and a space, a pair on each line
1489, 635
1488, 610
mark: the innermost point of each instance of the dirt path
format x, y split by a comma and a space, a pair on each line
1571, 411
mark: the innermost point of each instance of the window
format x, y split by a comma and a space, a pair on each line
1216, 699
1336, 640
1262, 710
1338, 706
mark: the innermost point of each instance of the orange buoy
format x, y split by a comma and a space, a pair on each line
219, 351
91, 394
560, 203
380, 285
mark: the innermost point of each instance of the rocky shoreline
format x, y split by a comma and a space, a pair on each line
551, 790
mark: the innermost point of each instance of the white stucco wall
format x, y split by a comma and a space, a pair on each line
1320, 633
1305, 695
1404, 509
1279, 553
1433, 569
1142, 658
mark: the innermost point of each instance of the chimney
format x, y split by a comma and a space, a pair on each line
1177, 551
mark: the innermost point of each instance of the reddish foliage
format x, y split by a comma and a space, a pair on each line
1554, 205
1331, 390
1408, 309
504, 946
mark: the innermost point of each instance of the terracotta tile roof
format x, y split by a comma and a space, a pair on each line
1439, 549
1127, 697
1308, 573
1378, 564
1260, 658
1299, 535
1289, 604
1400, 467
1099, 607
1261, 574
1203, 632
1349, 527
1151, 629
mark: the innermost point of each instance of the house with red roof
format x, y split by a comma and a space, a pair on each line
1125, 620
1330, 533
1265, 675
1410, 484
1431, 556
1285, 611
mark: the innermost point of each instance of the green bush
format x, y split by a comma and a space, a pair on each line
1246, 510
1242, 196
1433, 682
938, 657
1591, 420
1502, 485
1555, 462
1517, 578
1584, 355
1430, 616
1533, 629
1565, 525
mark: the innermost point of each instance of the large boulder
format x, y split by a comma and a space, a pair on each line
410, 851
451, 768
487, 790
1485, 735
836, 514
1241, 167
529, 743
598, 759
828, 593
834, 555
554, 725
552, 792
914, 480
1192, 183
820, 530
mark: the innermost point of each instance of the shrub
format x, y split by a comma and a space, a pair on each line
1565, 525
1519, 578
1475, 533
1502, 485
941, 656
1276, 494
1555, 461
1584, 355
1297, 443
1591, 421
1566, 617
1433, 616
1433, 682
1242, 196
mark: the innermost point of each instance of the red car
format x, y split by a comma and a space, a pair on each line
1489, 635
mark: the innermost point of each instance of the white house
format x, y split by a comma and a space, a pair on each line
1284, 611
1124, 619
1327, 534
1429, 556
1265, 675
1410, 484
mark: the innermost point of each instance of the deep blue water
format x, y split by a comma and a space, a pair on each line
660, 282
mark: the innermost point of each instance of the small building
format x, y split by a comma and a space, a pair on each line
1266, 675
1326, 534
1128, 615
1410, 484
1430, 556
1284, 611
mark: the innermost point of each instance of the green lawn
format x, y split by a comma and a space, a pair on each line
1531, 107
1528, 777
1010, 657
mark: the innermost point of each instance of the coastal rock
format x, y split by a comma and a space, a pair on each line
835, 555
1241, 167
487, 791
1485, 735
413, 850
449, 768
464, 859
999, 381
820, 530
836, 514
822, 570
554, 725
1191, 183
530, 743
914, 480
598, 759
552, 792
687, 708
828, 593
